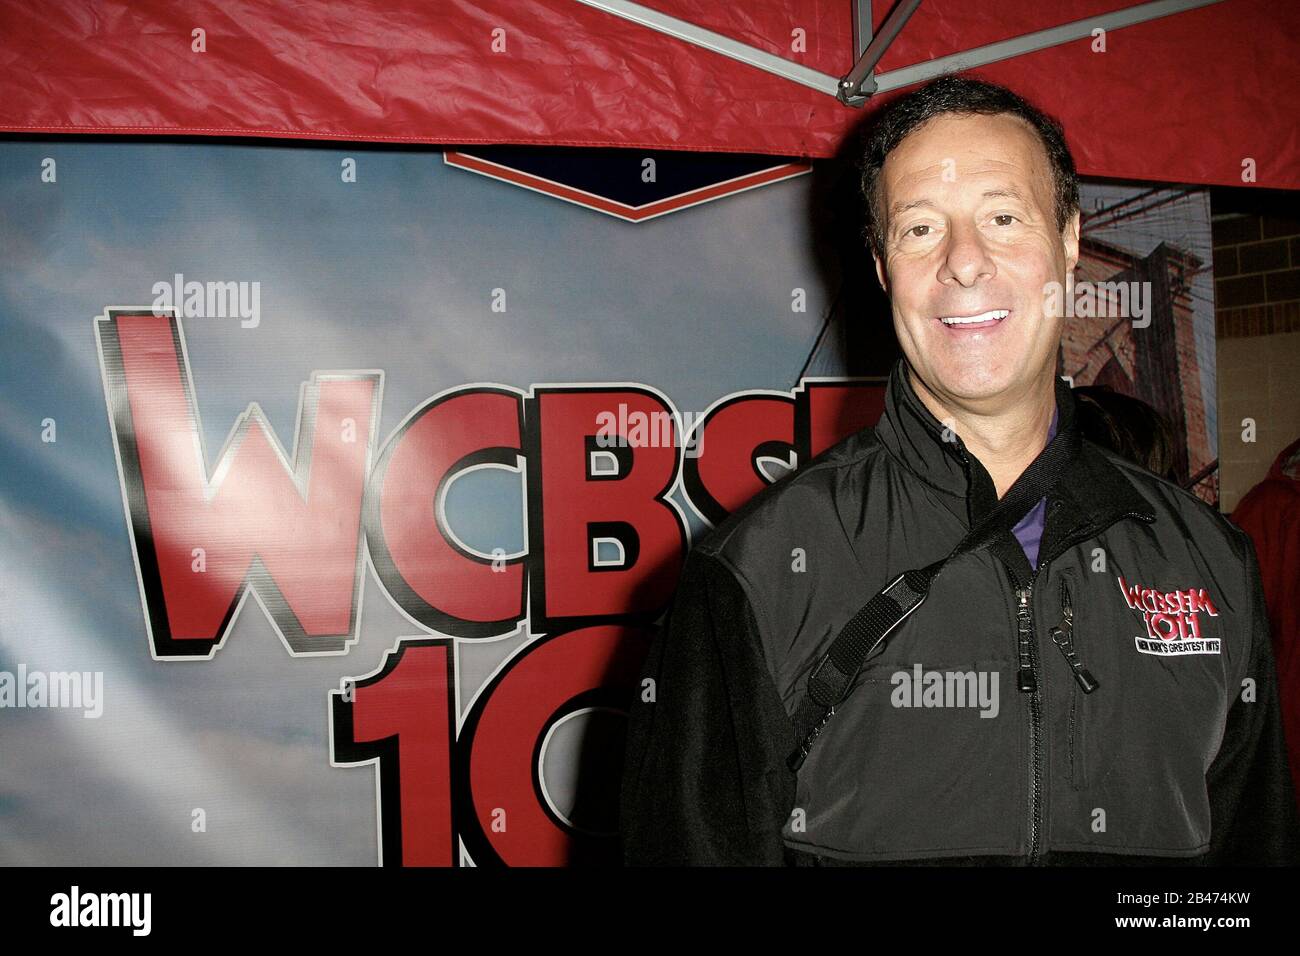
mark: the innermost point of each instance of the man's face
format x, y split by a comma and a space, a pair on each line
969, 230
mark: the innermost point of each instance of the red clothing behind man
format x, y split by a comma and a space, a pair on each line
1270, 514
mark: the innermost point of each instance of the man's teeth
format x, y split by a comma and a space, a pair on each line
969, 319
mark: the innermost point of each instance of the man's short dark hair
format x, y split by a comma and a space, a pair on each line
962, 95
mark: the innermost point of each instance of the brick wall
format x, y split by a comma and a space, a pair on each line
1256, 274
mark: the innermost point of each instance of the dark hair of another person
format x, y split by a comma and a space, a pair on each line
961, 95
1127, 426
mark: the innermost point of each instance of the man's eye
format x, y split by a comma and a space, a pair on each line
1004, 215
913, 232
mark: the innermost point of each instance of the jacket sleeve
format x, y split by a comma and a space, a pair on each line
1253, 816
704, 778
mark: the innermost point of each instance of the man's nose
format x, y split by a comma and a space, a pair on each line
966, 259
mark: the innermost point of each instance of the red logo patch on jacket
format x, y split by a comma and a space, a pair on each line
1172, 619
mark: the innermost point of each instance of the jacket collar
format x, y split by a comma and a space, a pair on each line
1092, 494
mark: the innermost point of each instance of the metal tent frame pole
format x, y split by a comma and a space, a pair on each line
861, 27
685, 30
1032, 42
860, 83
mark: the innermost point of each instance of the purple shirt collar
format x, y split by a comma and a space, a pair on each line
1029, 532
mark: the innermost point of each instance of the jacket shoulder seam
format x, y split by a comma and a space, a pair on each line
1132, 471
773, 492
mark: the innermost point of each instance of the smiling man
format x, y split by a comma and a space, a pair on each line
973, 235
1118, 619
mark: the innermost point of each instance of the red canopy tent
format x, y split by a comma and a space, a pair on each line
1193, 91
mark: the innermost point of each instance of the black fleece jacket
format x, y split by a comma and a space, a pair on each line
1177, 756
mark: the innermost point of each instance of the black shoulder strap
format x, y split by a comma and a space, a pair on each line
829, 682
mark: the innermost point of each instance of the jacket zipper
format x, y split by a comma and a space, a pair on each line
1063, 638
1028, 683
1028, 677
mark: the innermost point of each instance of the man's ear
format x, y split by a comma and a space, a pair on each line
881, 274
1070, 240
